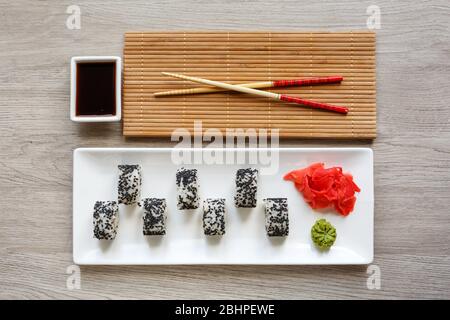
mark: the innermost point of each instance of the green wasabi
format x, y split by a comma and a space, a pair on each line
323, 234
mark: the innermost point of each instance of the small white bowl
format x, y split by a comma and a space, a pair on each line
73, 89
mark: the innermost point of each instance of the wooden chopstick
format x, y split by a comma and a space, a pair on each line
275, 96
256, 85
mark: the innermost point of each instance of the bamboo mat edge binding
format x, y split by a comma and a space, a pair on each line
244, 57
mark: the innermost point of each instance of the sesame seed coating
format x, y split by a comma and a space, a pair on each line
187, 189
130, 180
154, 217
277, 217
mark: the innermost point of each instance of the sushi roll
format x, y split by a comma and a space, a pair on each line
187, 189
277, 218
106, 219
214, 217
154, 216
246, 187
130, 181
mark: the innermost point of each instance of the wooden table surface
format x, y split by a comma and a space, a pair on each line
412, 167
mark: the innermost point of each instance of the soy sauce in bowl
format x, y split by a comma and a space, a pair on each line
96, 89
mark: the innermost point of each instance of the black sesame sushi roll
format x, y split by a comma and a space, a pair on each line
130, 180
106, 219
187, 189
155, 214
214, 217
277, 217
246, 188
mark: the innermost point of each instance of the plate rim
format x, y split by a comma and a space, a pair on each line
367, 150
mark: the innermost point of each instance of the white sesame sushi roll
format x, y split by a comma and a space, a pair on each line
106, 219
187, 189
277, 217
214, 217
130, 180
246, 188
155, 214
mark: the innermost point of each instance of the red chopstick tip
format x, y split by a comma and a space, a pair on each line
344, 110
313, 104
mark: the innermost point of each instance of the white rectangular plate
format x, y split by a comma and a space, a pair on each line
95, 178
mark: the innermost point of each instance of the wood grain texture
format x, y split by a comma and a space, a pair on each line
412, 150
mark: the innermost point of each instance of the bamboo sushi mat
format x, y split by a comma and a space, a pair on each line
237, 57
